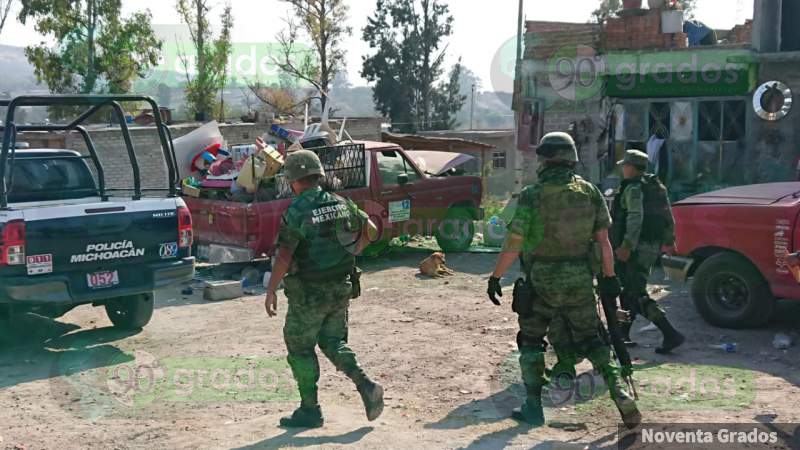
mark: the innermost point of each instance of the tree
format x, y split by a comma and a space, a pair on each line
281, 99
211, 56
5, 10
606, 9
447, 101
408, 39
324, 23
97, 51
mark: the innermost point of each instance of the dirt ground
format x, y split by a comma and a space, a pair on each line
213, 375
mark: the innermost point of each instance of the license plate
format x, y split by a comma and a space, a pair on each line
100, 280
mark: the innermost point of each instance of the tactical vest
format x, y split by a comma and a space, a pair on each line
568, 215
332, 227
656, 211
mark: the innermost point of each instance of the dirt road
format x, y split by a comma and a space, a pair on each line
213, 375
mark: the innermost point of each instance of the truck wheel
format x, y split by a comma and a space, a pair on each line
456, 231
730, 293
130, 313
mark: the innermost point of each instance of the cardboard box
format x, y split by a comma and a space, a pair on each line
258, 166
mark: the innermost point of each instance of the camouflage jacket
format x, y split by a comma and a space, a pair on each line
559, 216
321, 230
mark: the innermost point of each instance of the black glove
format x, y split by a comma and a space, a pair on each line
494, 290
609, 286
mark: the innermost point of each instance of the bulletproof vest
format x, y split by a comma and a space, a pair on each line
564, 205
656, 207
332, 227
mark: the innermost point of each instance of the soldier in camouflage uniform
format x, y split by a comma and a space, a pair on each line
553, 227
643, 228
319, 235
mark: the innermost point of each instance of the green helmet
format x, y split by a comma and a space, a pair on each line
301, 164
558, 147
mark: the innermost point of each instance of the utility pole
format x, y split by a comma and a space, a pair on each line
472, 110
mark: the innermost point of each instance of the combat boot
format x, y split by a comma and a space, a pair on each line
304, 417
630, 414
372, 396
672, 338
531, 412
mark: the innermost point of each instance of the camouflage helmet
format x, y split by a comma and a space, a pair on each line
301, 164
558, 147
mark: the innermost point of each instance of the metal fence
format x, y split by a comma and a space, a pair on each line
345, 168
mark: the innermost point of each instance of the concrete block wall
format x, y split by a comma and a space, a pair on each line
153, 171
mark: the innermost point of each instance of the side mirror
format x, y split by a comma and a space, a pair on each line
402, 179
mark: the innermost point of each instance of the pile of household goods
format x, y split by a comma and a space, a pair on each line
210, 168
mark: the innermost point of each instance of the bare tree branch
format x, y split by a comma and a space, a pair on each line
5, 10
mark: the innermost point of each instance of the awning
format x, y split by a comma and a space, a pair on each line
437, 163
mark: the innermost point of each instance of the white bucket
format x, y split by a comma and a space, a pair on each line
671, 22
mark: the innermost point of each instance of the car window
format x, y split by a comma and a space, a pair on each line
50, 179
391, 164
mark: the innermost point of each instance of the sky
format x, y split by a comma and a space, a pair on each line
481, 28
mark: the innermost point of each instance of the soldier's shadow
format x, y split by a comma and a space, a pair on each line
498, 408
290, 438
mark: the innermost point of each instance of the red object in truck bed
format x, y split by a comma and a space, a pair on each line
417, 207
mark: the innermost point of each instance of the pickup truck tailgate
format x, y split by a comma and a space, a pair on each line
82, 239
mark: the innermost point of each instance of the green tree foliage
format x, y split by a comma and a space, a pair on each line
210, 59
323, 22
97, 50
407, 37
606, 9
447, 100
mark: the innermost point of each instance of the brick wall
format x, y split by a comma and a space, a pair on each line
640, 32
114, 158
543, 39
741, 34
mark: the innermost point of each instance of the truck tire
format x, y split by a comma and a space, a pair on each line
729, 292
130, 313
456, 231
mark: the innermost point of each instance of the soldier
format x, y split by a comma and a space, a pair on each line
643, 229
319, 235
553, 227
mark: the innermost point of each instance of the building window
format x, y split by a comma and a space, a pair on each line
499, 160
722, 120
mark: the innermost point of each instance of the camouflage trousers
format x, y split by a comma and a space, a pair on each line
633, 276
565, 310
317, 316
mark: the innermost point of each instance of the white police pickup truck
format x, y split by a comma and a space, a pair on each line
65, 240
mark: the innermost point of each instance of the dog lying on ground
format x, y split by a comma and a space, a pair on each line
434, 266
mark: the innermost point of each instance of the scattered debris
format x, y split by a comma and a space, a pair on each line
215, 291
729, 347
569, 427
648, 328
782, 341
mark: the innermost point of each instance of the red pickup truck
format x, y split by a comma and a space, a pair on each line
399, 197
734, 242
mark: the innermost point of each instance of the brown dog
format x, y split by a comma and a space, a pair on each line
434, 266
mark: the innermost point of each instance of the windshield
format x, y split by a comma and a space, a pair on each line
42, 179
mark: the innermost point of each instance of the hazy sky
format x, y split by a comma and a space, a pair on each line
480, 28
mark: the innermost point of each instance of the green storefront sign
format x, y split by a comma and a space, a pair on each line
690, 73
